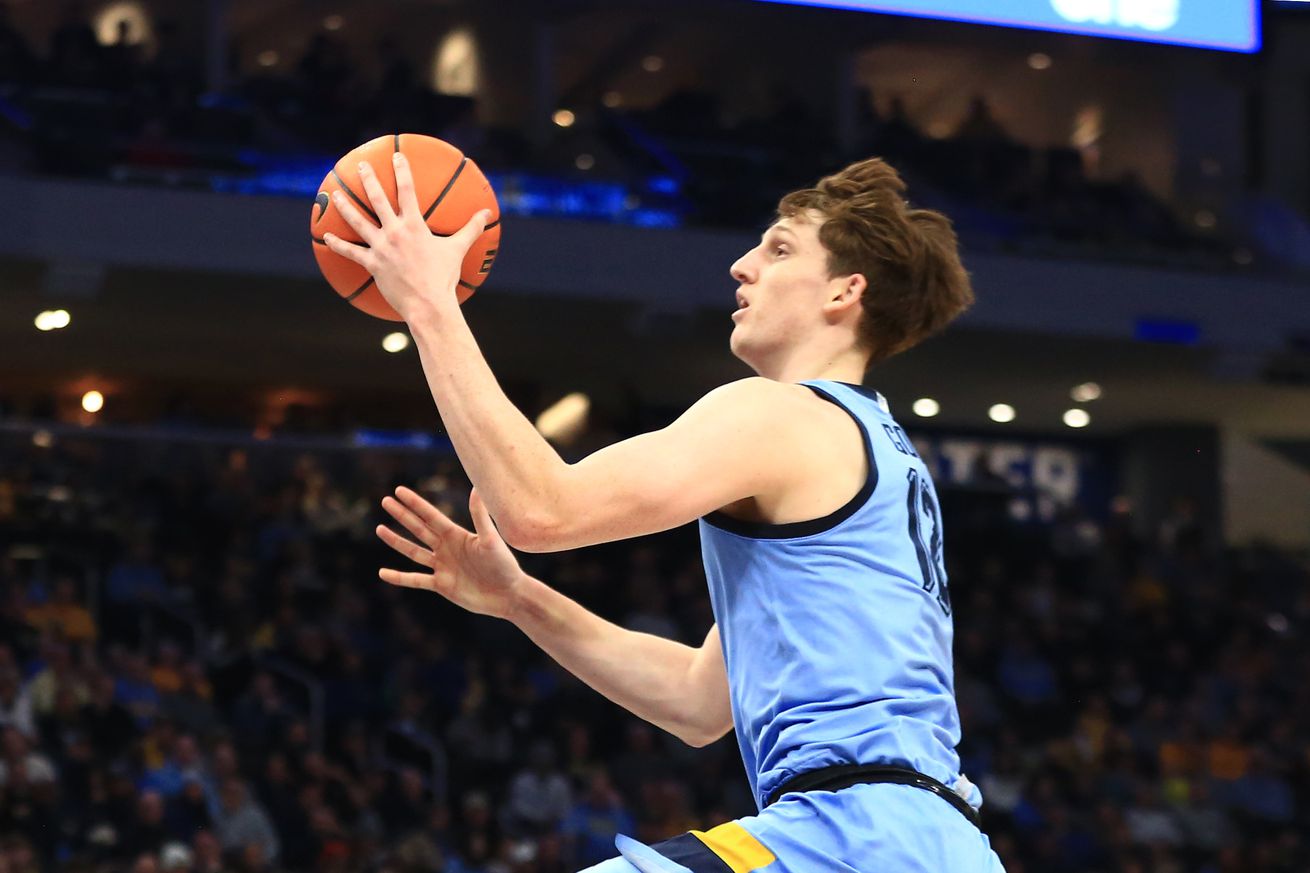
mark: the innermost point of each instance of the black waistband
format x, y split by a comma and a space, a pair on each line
846, 775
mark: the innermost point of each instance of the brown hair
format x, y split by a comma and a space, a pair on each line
917, 284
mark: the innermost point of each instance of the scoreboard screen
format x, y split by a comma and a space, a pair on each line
1230, 25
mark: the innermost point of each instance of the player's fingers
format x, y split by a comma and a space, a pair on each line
405, 579
376, 196
360, 253
438, 581
406, 198
474, 228
408, 548
411, 522
362, 224
431, 516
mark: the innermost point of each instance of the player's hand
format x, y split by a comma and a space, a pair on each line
474, 570
414, 269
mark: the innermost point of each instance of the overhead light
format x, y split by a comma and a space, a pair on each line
565, 419
585, 162
43, 439
652, 63
333, 22
1205, 219
395, 342
1039, 61
1077, 418
1085, 393
114, 15
612, 99
455, 64
564, 118
53, 319
1001, 413
926, 407
268, 58
93, 401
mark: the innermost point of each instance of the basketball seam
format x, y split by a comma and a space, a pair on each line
446, 190
468, 285
360, 290
355, 197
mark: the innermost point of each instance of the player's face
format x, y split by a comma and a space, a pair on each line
782, 284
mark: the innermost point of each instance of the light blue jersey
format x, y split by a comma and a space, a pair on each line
837, 638
837, 632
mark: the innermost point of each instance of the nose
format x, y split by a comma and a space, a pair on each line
743, 270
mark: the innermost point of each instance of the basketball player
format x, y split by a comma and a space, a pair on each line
820, 530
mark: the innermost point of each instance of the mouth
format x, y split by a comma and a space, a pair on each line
742, 302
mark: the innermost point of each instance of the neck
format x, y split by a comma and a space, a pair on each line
799, 365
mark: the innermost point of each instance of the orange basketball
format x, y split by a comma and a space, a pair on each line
450, 189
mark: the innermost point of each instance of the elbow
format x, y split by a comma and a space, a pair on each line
696, 740
700, 736
531, 532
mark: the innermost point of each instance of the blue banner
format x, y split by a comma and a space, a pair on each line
1231, 25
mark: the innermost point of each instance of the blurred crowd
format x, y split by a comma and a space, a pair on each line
95, 108
200, 672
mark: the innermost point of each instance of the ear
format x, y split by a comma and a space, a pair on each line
845, 293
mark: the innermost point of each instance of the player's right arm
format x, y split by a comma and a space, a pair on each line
681, 689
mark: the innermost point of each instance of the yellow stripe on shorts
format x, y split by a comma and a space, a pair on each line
736, 847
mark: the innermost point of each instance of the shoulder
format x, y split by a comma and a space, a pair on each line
757, 407
756, 394
768, 420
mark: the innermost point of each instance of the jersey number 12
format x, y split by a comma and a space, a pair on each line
926, 534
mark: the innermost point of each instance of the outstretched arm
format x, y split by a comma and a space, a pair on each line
729, 446
681, 689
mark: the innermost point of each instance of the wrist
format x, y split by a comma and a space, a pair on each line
521, 610
433, 309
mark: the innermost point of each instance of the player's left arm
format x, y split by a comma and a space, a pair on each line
733, 444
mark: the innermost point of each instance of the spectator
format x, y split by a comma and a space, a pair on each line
175, 768
208, 854
64, 615
166, 674
137, 578
20, 762
58, 674
134, 690
109, 723
1150, 822
242, 822
147, 833
16, 709
187, 812
592, 824
1203, 823
539, 796
191, 707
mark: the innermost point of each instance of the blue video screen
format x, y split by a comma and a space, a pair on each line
1229, 25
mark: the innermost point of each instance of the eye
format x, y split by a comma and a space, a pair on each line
779, 250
